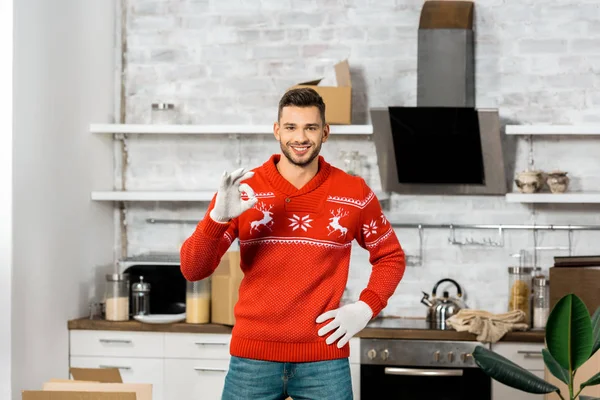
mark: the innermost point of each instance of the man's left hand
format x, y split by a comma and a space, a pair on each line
349, 320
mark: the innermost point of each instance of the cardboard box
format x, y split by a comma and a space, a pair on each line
225, 285
95, 384
581, 281
338, 99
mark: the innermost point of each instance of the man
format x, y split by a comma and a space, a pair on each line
296, 217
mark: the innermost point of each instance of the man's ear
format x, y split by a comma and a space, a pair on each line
276, 130
325, 132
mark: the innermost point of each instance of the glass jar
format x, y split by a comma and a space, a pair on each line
117, 297
519, 291
197, 301
541, 301
164, 114
140, 297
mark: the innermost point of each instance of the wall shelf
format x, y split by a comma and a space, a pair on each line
592, 197
214, 129
146, 195
174, 195
553, 129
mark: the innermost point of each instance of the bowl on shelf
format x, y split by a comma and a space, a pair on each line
558, 181
529, 181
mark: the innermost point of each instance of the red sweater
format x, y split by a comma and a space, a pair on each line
295, 252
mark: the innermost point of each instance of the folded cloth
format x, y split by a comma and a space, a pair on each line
488, 327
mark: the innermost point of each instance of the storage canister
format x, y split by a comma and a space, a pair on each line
197, 302
117, 297
519, 290
541, 301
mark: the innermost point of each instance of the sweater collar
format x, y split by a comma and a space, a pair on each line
281, 184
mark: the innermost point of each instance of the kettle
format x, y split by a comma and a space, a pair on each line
440, 309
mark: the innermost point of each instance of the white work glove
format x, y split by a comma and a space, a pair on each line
229, 203
349, 320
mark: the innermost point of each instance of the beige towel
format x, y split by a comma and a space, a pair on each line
488, 327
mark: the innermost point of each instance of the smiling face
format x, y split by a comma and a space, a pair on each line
301, 132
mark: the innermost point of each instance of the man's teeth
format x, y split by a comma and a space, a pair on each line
300, 148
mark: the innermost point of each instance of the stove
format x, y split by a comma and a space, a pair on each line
420, 369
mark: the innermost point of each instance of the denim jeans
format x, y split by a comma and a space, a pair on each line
249, 379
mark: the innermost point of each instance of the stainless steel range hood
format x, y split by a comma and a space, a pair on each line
444, 145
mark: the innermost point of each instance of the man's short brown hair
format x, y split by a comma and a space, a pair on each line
302, 97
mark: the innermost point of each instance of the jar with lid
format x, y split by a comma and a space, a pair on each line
117, 297
140, 297
519, 290
197, 301
164, 113
541, 301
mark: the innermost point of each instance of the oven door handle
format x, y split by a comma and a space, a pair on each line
423, 372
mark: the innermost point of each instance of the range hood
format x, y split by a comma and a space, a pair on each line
444, 145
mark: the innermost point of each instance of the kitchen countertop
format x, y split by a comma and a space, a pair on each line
380, 328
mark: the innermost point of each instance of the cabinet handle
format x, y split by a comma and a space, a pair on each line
210, 344
210, 369
530, 353
114, 366
115, 340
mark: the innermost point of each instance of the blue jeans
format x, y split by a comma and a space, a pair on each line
249, 379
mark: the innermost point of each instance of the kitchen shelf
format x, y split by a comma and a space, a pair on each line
553, 129
214, 129
143, 195
553, 197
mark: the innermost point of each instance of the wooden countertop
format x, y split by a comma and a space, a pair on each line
388, 329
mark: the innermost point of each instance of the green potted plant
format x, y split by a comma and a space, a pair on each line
572, 338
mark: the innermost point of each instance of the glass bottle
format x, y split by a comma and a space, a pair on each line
140, 297
197, 301
117, 297
519, 291
541, 301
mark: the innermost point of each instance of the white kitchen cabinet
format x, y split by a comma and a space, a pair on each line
526, 355
132, 370
192, 379
179, 365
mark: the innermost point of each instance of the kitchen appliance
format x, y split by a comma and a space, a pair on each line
421, 369
439, 309
140, 297
443, 145
163, 274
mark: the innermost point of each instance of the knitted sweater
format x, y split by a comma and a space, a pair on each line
295, 252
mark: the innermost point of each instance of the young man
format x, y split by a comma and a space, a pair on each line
296, 217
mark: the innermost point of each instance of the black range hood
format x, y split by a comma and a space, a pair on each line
444, 145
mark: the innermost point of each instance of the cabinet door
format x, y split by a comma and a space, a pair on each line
502, 392
355, 372
189, 379
133, 370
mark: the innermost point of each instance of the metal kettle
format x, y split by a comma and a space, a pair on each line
442, 308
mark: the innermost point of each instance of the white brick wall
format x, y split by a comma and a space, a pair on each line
229, 61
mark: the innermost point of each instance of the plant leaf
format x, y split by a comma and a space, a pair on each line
555, 367
505, 371
596, 330
569, 332
594, 380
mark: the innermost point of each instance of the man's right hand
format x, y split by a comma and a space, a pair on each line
229, 203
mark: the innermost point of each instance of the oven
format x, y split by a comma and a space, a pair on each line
421, 369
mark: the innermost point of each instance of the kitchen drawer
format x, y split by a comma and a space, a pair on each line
195, 379
132, 370
212, 346
527, 355
116, 344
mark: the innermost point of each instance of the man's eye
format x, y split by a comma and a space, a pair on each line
289, 128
